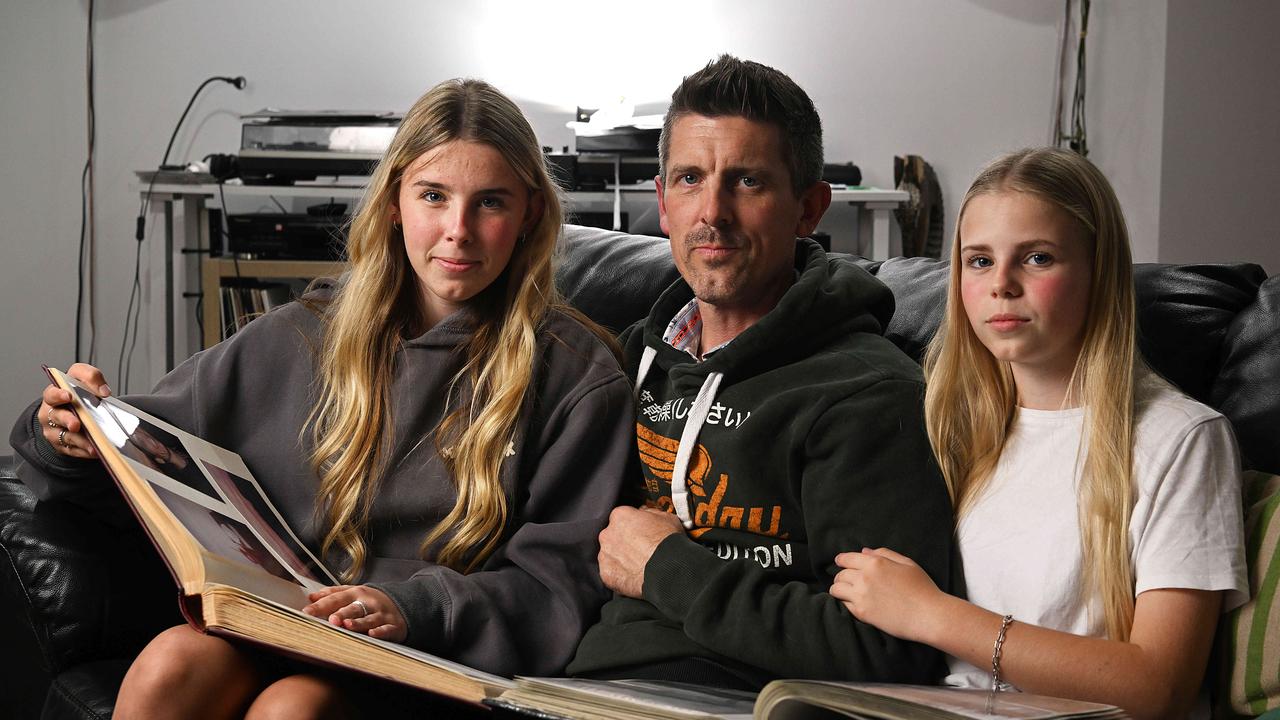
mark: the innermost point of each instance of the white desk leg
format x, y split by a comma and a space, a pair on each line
880, 229
617, 192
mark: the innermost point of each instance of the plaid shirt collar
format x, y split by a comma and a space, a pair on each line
684, 332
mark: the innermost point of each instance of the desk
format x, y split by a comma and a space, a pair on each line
878, 204
191, 231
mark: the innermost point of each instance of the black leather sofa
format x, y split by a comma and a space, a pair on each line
79, 597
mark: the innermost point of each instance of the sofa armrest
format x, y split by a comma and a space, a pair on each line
79, 589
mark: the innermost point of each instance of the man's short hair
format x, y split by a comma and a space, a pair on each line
728, 86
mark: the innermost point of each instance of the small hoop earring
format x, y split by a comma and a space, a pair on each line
395, 224
520, 240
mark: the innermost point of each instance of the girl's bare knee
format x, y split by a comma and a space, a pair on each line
182, 670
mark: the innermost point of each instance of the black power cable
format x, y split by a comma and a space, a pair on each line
238, 81
86, 207
122, 371
1078, 138
140, 233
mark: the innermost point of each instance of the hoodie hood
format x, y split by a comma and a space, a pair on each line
832, 297
451, 332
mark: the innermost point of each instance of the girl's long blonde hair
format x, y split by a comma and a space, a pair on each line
378, 306
970, 396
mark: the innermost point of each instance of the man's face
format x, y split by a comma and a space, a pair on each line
727, 204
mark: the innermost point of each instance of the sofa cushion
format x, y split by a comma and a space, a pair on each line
1251, 633
1247, 389
1183, 315
919, 288
612, 277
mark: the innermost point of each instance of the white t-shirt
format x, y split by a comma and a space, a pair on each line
1020, 543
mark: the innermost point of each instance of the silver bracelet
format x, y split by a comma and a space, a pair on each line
996, 685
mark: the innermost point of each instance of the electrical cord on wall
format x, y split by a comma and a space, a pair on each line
1078, 138
131, 313
140, 232
1060, 75
87, 234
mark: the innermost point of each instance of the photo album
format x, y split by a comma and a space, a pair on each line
241, 571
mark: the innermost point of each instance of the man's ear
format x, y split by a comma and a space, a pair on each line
814, 202
662, 206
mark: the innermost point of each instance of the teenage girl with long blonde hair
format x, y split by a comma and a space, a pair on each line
439, 427
1098, 508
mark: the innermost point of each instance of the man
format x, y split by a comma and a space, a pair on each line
776, 425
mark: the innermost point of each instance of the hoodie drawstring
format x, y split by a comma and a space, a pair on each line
688, 437
646, 362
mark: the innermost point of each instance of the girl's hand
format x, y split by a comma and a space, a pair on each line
888, 590
361, 609
61, 428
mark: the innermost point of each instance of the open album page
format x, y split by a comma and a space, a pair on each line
208, 490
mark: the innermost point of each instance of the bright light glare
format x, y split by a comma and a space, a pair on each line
591, 53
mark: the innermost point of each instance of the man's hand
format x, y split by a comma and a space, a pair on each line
627, 543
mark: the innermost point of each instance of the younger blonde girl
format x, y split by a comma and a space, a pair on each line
1098, 507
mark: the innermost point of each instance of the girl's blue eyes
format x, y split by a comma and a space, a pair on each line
433, 196
1036, 258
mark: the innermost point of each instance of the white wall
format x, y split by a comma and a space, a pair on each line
956, 82
42, 140
1221, 173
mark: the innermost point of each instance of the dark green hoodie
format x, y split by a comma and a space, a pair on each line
812, 444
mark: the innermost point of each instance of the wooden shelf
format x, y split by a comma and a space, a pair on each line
217, 269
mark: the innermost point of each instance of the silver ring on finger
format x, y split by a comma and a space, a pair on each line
62, 438
52, 424
364, 609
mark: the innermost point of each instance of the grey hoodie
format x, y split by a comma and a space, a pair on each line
524, 610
